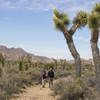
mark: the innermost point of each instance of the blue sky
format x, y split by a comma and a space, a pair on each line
28, 24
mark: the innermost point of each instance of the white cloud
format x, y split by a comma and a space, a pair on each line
45, 5
5, 4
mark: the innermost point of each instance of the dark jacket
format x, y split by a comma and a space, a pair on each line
51, 74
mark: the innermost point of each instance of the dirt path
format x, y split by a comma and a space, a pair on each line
36, 93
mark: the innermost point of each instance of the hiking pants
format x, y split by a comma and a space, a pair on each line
43, 82
50, 82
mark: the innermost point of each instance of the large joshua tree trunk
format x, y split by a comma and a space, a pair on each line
68, 36
95, 54
76, 56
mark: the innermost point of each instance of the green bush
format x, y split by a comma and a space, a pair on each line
79, 81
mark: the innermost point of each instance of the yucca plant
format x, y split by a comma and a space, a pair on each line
94, 25
61, 22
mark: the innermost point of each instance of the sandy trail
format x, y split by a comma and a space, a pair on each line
36, 93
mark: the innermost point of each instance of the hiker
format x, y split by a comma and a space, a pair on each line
43, 78
51, 76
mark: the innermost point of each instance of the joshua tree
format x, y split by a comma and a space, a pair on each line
63, 63
61, 22
2, 59
29, 59
56, 63
94, 25
20, 64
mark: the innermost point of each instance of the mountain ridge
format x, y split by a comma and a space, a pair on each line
15, 53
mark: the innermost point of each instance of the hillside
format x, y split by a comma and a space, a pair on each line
15, 53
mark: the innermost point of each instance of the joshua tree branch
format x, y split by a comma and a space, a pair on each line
66, 34
73, 29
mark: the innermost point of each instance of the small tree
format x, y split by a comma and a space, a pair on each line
61, 22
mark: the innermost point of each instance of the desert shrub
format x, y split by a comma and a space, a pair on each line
76, 90
58, 87
90, 73
79, 81
61, 74
91, 81
69, 66
2, 95
26, 66
88, 67
12, 80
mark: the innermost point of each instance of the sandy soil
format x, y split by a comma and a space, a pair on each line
36, 93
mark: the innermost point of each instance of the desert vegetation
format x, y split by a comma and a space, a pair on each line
16, 75
76, 81
67, 87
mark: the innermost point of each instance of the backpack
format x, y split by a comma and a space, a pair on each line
51, 74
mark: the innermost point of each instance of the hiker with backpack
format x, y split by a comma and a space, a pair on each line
51, 77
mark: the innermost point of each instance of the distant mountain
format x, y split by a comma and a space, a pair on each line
15, 53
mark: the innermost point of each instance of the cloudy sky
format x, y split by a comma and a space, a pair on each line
28, 24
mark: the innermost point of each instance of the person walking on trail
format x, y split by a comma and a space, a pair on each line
51, 76
43, 78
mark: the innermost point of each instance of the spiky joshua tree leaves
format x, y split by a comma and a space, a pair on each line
94, 25
61, 22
